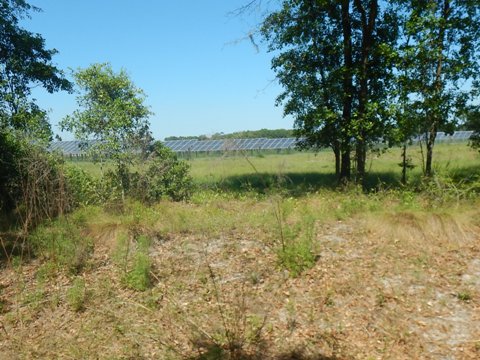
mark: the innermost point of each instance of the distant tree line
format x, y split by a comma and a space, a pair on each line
248, 134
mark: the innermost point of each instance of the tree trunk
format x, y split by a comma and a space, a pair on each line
430, 144
368, 25
438, 89
361, 158
345, 169
404, 164
336, 151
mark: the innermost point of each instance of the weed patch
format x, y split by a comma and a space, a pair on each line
295, 247
62, 243
77, 294
134, 260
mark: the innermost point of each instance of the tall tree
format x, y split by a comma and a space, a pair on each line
442, 58
24, 63
308, 69
334, 64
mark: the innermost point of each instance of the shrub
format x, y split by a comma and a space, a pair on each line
32, 182
297, 256
84, 188
295, 248
166, 176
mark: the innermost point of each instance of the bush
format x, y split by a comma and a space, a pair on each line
84, 188
138, 278
166, 177
32, 182
10, 151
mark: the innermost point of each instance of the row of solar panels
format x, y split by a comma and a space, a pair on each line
75, 147
230, 144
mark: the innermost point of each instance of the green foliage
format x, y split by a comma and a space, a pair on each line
333, 60
464, 296
165, 177
112, 112
11, 150
297, 256
84, 188
473, 123
355, 72
135, 261
138, 278
443, 188
32, 181
24, 64
29, 177
162, 176
438, 55
295, 248
62, 243
77, 294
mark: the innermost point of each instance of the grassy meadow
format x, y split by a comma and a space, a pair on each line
269, 260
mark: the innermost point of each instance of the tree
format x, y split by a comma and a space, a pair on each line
112, 114
24, 63
334, 62
441, 58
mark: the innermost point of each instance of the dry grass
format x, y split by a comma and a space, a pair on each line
390, 281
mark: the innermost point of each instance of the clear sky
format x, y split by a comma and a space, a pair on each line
183, 53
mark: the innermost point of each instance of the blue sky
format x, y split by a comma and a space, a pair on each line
184, 54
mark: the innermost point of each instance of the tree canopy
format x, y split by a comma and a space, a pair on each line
333, 60
24, 63
112, 112
356, 72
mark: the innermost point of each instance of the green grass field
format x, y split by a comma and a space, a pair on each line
304, 172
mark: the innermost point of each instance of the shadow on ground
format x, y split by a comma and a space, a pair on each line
300, 184
296, 184
217, 353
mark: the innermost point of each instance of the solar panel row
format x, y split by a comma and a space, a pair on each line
75, 148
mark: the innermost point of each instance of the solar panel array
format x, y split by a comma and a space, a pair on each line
74, 148
443, 137
67, 147
230, 144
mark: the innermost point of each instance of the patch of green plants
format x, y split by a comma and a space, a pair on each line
138, 278
62, 243
296, 256
464, 296
295, 248
77, 295
135, 261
